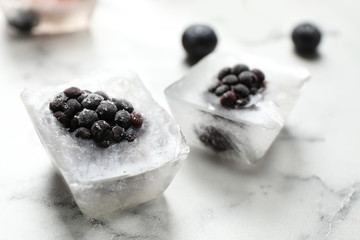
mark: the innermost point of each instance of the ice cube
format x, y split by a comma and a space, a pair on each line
239, 136
48, 16
124, 174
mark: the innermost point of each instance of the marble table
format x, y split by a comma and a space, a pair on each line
309, 184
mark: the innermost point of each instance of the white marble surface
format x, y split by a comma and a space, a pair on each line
309, 185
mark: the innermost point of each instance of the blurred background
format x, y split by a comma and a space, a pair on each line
309, 184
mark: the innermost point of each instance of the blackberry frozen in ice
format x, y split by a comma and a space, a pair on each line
138, 164
238, 84
249, 115
98, 118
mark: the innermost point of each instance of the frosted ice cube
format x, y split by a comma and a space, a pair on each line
124, 174
239, 136
48, 16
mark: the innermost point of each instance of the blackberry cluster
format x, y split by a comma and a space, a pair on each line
96, 116
236, 85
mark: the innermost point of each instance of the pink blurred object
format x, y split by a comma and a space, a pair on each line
48, 16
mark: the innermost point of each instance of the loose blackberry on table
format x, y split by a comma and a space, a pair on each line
94, 116
235, 85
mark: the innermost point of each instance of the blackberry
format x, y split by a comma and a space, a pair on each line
72, 92
71, 107
92, 101
24, 20
241, 90
224, 72
123, 104
230, 80
98, 129
118, 133
95, 117
103, 94
215, 139
306, 38
228, 99
58, 102
221, 90
198, 41
248, 78
107, 110
83, 133
123, 119
136, 120
239, 68
87, 117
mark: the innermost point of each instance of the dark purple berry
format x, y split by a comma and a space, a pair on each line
230, 80
241, 102
87, 118
107, 110
83, 133
58, 102
74, 122
215, 139
259, 74
248, 78
71, 107
214, 87
239, 68
228, 99
98, 129
306, 38
221, 90
241, 90
199, 41
224, 72
62, 118
103, 94
24, 20
123, 119
92, 101
106, 139
118, 133
84, 94
136, 120
123, 104
72, 92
